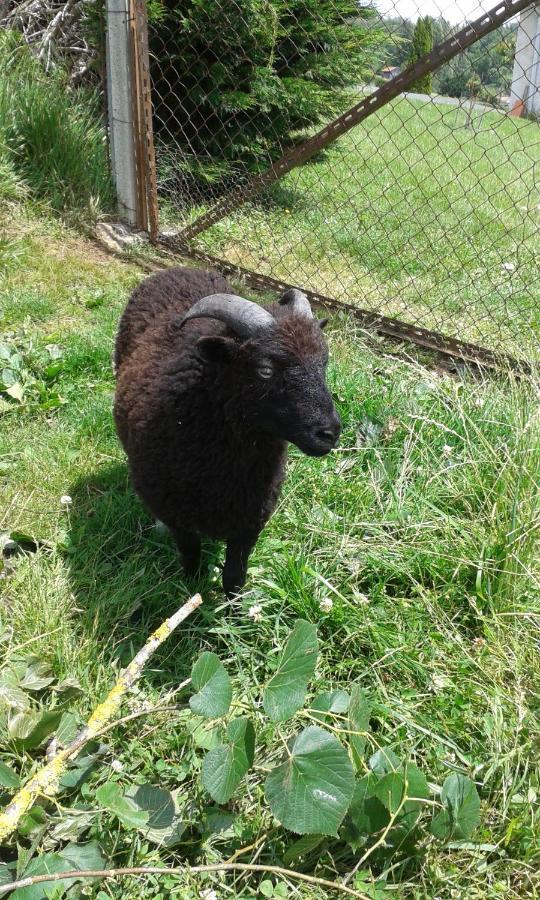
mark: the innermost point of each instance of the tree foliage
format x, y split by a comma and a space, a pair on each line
235, 84
487, 63
422, 43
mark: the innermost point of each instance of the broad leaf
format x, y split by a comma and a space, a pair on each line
213, 686
152, 810
16, 390
111, 797
29, 729
359, 713
328, 703
390, 790
164, 825
11, 695
461, 813
310, 792
8, 778
38, 675
385, 762
74, 856
224, 767
286, 690
303, 845
367, 814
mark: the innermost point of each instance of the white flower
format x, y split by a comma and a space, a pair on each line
361, 598
508, 267
66, 500
255, 613
326, 605
117, 766
447, 450
208, 894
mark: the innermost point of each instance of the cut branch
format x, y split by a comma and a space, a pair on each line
180, 871
46, 781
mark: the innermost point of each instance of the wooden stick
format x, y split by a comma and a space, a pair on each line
47, 780
183, 871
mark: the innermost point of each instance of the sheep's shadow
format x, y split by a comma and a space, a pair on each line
126, 576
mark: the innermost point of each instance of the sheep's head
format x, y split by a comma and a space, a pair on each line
280, 361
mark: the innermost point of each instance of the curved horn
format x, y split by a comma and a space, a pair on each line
297, 303
243, 316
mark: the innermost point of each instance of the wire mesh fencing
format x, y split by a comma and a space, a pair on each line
426, 211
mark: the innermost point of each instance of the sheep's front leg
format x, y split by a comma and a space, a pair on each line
189, 546
236, 562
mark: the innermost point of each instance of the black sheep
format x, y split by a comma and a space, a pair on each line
210, 388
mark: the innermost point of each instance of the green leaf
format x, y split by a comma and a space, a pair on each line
32, 822
74, 856
286, 690
302, 846
310, 792
266, 888
11, 695
80, 768
367, 814
70, 687
213, 685
110, 797
359, 713
385, 762
390, 790
224, 767
336, 702
16, 391
8, 778
461, 813
152, 810
29, 729
38, 675
8, 377
68, 728
164, 825
6, 874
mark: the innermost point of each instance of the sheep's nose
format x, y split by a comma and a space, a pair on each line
329, 433
325, 434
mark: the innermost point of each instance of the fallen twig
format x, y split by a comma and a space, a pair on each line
183, 871
46, 781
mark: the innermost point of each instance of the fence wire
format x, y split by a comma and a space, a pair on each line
427, 212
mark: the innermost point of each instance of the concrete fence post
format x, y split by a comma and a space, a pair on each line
525, 93
121, 108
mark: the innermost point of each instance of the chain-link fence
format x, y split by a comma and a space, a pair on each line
426, 211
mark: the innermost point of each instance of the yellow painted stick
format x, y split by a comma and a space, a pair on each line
46, 781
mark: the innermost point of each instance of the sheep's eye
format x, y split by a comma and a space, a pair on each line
265, 370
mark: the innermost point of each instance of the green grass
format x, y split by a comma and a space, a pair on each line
422, 528
52, 136
412, 214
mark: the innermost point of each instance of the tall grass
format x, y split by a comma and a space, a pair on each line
50, 135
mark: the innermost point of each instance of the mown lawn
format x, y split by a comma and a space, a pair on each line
422, 528
415, 214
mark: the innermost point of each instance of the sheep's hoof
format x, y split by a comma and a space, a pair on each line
233, 582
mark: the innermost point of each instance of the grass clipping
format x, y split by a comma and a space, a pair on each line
46, 781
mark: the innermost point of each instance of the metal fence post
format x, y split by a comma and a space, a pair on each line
120, 87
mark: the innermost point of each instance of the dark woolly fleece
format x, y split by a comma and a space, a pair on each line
206, 437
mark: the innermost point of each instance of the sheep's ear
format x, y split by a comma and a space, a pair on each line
216, 349
323, 323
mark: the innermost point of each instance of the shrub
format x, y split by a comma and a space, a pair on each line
235, 84
422, 42
50, 135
